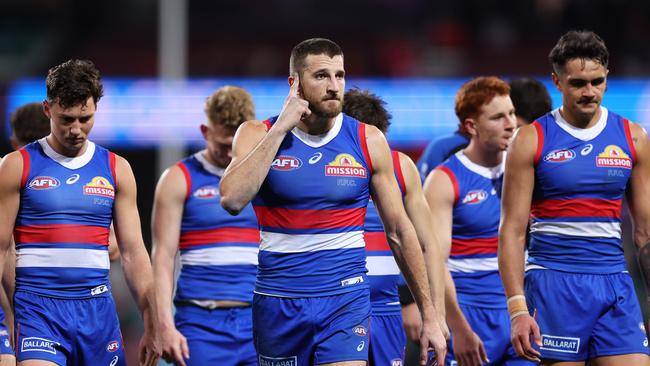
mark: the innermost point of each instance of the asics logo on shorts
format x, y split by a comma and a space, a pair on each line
114, 361
360, 346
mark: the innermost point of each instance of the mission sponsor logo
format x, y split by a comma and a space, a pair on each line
44, 182
99, 186
286, 163
560, 156
345, 165
206, 192
613, 157
474, 197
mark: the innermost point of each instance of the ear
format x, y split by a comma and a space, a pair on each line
470, 126
204, 130
556, 81
46, 109
290, 80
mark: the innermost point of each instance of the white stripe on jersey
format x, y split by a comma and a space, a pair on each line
62, 257
471, 265
585, 229
219, 256
299, 243
383, 265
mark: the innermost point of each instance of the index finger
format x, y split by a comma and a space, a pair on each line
295, 85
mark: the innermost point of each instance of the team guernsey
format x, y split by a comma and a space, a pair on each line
474, 239
387, 338
311, 297
63, 305
311, 209
218, 251
218, 254
473, 256
576, 257
579, 190
62, 225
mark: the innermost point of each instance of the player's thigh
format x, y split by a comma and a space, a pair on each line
561, 363
636, 359
7, 360
345, 363
36, 363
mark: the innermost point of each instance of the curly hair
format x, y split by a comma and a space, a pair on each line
29, 123
367, 108
476, 93
73, 82
229, 106
584, 45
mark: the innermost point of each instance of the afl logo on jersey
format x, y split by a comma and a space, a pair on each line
99, 186
560, 156
206, 192
286, 163
344, 165
41, 183
474, 197
613, 157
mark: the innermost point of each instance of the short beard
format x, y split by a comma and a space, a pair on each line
320, 111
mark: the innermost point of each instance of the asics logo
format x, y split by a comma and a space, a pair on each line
114, 361
73, 179
316, 158
586, 150
360, 346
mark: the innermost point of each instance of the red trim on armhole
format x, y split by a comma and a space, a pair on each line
540, 141
112, 162
364, 145
268, 124
26, 165
630, 142
397, 165
453, 179
188, 179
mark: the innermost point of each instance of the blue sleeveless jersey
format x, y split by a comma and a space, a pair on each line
383, 273
311, 209
474, 238
62, 225
218, 251
580, 181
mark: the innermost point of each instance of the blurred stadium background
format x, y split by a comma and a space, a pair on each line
161, 58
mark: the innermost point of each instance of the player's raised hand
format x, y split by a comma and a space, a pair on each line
524, 328
432, 339
295, 107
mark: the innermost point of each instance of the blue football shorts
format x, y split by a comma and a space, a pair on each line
582, 316
387, 340
311, 330
218, 336
68, 331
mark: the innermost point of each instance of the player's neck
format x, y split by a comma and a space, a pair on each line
60, 149
482, 155
580, 120
315, 125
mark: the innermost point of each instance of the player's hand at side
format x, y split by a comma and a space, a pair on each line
525, 328
432, 339
174, 347
149, 349
294, 109
468, 348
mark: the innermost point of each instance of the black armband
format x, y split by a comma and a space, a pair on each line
405, 295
